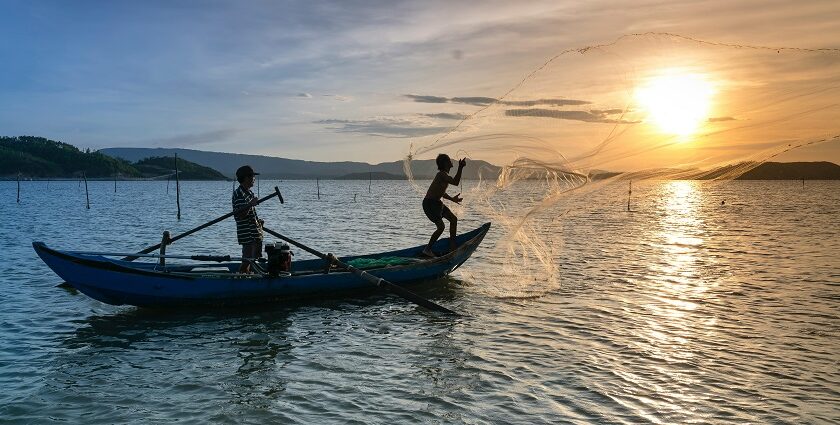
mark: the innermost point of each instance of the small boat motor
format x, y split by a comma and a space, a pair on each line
279, 259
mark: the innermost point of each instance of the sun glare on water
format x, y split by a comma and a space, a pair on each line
677, 102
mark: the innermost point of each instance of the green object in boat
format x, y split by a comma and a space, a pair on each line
367, 263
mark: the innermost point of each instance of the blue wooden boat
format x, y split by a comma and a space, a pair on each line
152, 284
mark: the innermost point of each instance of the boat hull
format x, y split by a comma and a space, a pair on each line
140, 284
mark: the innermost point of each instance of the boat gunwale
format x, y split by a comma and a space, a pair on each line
103, 263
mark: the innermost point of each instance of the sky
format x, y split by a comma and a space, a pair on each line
368, 81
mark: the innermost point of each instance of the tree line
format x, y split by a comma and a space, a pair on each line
38, 157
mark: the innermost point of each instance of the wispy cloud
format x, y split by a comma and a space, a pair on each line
484, 101
427, 99
339, 97
549, 102
720, 119
384, 127
194, 139
474, 100
447, 116
586, 116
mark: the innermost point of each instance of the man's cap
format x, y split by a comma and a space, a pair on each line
245, 171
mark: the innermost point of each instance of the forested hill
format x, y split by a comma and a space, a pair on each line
164, 165
40, 157
37, 157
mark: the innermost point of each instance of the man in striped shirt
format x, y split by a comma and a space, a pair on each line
248, 224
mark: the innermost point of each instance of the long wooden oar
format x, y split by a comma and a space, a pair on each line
209, 223
216, 258
378, 281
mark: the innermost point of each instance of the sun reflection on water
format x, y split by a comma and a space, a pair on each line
671, 317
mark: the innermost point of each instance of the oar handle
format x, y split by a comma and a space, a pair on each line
209, 223
378, 281
296, 243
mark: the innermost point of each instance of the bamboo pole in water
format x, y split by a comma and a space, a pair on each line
177, 187
629, 193
18, 180
87, 196
370, 179
318, 184
163, 242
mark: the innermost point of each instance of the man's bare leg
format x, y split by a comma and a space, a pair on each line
453, 228
439, 231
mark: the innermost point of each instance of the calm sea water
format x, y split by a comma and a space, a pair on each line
685, 310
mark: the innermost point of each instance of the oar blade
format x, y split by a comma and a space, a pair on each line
416, 299
396, 289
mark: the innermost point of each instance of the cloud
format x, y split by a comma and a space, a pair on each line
586, 116
550, 102
384, 127
339, 97
447, 116
484, 101
606, 111
720, 119
427, 99
193, 139
477, 101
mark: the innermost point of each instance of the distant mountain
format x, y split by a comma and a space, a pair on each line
283, 168
793, 171
379, 175
43, 158
40, 157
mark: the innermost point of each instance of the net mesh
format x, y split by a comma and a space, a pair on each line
645, 106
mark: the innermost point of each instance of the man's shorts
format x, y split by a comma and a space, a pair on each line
434, 209
252, 249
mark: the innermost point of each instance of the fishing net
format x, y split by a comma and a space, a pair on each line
645, 106
368, 263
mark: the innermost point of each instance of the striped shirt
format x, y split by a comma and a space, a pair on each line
248, 229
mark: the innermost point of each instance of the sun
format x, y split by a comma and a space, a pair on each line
677, 101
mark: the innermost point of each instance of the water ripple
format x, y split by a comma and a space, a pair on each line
685, 311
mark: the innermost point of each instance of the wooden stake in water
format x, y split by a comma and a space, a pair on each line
163, 242
115, 181
629, 193
370, 179
18, 196
177, 187
87, 197
318, 183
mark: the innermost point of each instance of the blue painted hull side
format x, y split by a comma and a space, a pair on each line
120, 282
